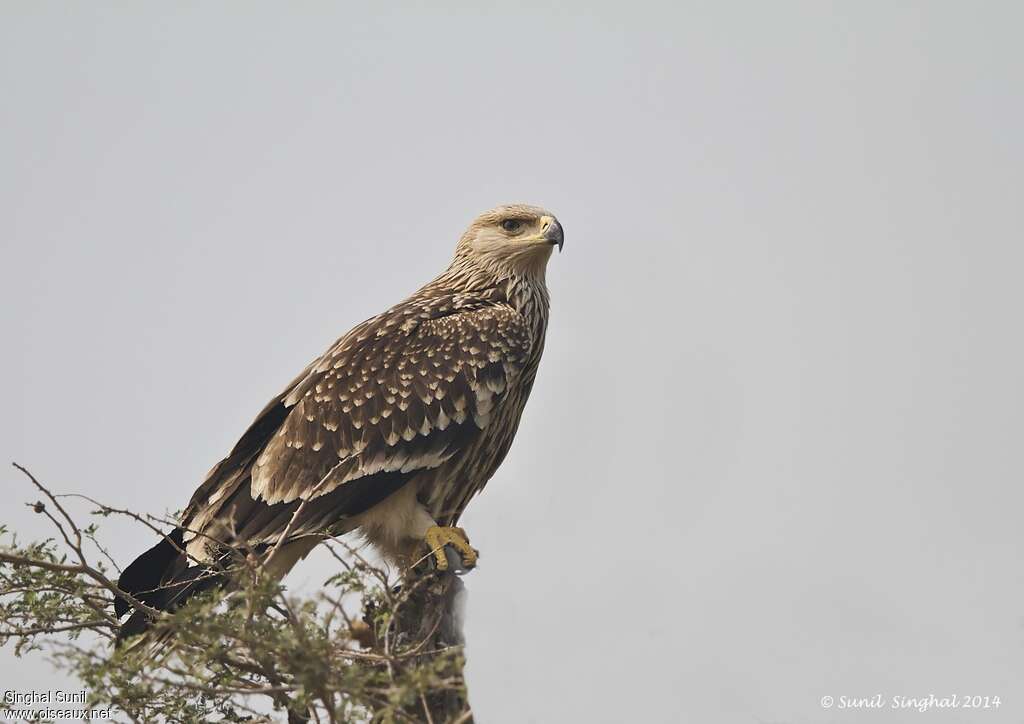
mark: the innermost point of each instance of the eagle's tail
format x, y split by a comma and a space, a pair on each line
162, 579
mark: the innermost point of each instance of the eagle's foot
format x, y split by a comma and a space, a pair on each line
439, 536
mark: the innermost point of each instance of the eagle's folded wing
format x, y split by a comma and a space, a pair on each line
395, 397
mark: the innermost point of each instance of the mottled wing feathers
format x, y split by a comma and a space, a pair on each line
393, 398
400, 394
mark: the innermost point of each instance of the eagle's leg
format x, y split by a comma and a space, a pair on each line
439, 536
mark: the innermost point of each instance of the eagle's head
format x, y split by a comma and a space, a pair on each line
513, 239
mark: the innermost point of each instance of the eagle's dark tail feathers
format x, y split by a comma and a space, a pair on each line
161, 579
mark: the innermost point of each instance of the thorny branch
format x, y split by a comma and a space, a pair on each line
368, 647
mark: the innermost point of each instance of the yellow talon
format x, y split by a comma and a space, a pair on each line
438, 536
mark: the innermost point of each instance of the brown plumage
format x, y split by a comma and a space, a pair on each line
393, 429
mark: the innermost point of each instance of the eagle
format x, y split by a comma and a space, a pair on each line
389, 433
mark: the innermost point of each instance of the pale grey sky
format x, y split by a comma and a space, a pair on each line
773, 452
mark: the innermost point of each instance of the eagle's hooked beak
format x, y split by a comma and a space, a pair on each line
552, 231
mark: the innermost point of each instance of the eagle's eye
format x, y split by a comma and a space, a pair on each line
512, 226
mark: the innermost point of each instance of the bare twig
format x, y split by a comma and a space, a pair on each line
255, 643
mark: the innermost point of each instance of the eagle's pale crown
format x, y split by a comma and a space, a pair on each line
515, 239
